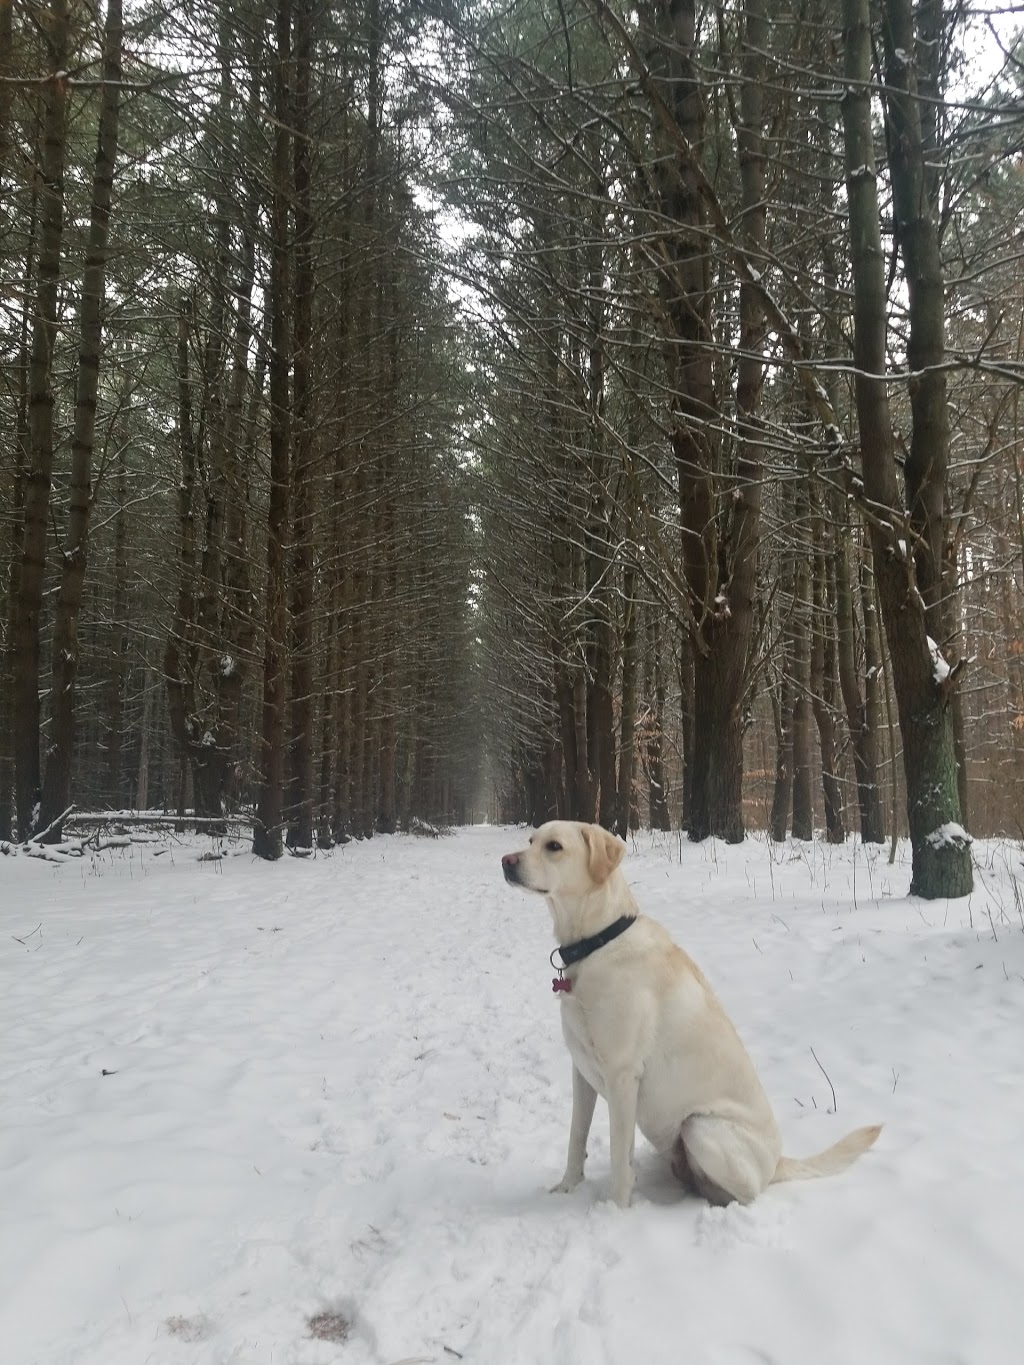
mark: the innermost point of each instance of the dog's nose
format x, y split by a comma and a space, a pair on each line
509, 859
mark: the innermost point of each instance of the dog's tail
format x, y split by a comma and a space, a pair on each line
829, 1162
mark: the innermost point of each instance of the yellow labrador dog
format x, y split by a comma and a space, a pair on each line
645, 1030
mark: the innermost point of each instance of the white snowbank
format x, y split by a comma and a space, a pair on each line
236, 1096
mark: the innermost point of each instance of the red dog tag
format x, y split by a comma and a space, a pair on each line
561, 983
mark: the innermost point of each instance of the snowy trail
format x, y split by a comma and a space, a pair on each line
339, 1087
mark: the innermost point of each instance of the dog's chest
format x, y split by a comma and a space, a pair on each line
583, 1043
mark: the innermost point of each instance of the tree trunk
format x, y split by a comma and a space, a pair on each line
584, 795
267, 828
717, 796
245, 399
300, 746
658, 812
65, 653
803, 804
119, 645
686, 723
941, 852
6, 87
782, 788
16, 525
861, 708
192, 626
601, 711
142, 776
358, 712
783, 700
598, 532
914, 109
627, 710
823, 687
386, 596
179, 649
567, 734
28, 613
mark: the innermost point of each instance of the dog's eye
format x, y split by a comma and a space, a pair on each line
553, 846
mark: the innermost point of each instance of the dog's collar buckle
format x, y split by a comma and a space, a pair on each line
561, 982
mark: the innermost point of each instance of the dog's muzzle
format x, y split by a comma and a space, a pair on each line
510, 867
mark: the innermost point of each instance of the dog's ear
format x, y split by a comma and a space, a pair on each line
604, 851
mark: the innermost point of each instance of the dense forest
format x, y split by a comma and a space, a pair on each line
435, 410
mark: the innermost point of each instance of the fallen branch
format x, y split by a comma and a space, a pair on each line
146, 818
54, 824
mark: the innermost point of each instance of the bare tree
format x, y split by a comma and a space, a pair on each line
921, 678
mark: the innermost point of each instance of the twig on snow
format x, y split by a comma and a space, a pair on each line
831, 1087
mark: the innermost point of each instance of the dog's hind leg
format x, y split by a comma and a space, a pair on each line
623, 1089
722, 1161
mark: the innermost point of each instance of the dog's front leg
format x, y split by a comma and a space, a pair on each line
584, 1097
623, 1089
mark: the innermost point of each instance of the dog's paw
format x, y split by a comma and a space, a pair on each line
566, 1185
622, 1190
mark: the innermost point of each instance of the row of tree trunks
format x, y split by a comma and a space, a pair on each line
719, 507
269, 824
15, 546
40, 801
25, 635
304, 454
56, 796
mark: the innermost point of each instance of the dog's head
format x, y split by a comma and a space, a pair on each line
564, 858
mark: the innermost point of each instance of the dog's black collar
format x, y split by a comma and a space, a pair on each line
571, 953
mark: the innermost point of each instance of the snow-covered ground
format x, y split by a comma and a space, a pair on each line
241, 1099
